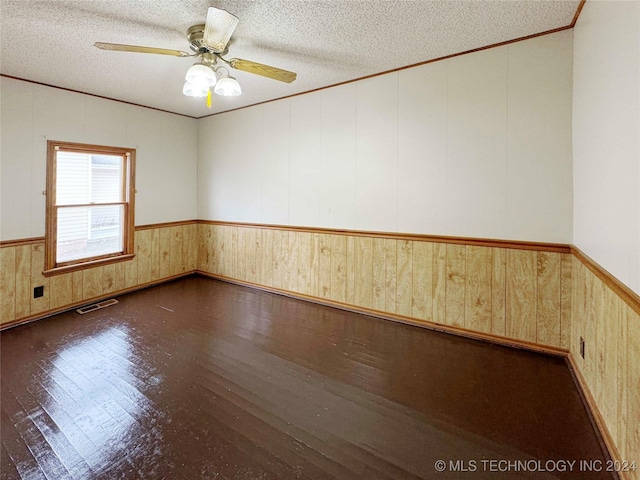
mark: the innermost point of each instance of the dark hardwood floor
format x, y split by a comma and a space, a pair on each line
203, 379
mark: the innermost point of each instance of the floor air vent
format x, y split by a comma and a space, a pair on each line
96, 306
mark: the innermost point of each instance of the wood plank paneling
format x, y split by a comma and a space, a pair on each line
119, 276
250, 251
61, 290
622, 396
178, 245
291, 263
175, 249
92, 283
156, 253
609, 407
498, 291
192, 251
478, 289
422, 285
77, 285
633, 387
7, 284
240, 249
108, 278
315, 265
364, 272
164, 253
304, 262
339, 268
266, 257
548, 298
143, 249
390, 280
455, 285
601, 323
277, 259
566, 299
40, 304
521, 295
351, 270
130, 273
404, 278
439, 271
324, 265
378, 279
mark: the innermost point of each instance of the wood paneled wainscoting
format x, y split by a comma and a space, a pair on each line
491, 289
162, 252
607, 317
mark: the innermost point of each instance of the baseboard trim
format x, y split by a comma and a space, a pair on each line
599, 424
459, 331
88, 301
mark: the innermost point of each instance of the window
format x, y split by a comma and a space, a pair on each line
90, 208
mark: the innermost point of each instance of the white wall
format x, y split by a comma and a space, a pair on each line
30, 114
606, 137
478, 145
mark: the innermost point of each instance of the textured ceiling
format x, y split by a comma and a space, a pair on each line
324, 41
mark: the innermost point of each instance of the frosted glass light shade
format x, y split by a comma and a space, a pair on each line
228, 87
200, 74
195, 90
219, 28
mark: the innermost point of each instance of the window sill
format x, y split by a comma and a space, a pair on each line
89, 264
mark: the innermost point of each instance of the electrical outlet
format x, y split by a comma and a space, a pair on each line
582, 347
38, 292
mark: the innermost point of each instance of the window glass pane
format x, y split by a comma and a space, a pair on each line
84, 178
106, 178
72, 178
89, 232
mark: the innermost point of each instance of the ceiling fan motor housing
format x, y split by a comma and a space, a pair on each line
195, 35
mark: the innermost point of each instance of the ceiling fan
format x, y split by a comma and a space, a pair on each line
210, 42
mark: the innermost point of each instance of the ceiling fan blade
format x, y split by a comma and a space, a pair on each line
136, 48
264, 70
218, 29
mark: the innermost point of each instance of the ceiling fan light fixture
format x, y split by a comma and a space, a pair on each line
201, 74
195, 90
219, 28
228, 87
